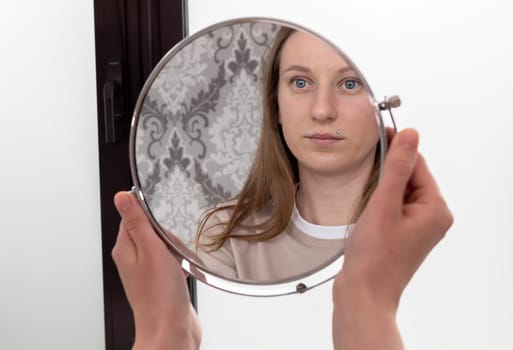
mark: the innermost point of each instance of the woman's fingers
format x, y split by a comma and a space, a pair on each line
398, 167
424, 195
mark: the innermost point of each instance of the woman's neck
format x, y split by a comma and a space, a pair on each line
328, 200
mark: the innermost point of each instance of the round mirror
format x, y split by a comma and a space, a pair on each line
254, 147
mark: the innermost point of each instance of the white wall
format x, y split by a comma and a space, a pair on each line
451, 62
50, 243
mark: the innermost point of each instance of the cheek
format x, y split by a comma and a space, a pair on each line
359, 115
360, 122
284, 111
370, 131
291, 107
280, 105
289, 132
291, 112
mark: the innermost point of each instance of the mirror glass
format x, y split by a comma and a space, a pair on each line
255, 144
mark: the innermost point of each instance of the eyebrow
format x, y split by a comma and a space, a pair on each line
304, 69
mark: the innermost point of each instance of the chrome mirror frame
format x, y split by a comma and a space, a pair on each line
298, 284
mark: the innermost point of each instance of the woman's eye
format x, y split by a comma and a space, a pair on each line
350, 84
299, 83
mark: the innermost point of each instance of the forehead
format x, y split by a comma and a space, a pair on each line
307, 50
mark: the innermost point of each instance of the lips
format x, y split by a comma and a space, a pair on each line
325, 136
324, 139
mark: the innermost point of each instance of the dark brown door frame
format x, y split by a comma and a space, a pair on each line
131, 37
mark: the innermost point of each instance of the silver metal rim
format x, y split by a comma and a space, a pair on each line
293, 285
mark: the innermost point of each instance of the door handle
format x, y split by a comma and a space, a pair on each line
113, 102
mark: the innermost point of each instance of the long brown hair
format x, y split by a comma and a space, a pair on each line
271, 183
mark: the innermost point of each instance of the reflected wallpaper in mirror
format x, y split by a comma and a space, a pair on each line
199, 125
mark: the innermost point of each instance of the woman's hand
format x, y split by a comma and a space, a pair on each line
405, 218
154, 283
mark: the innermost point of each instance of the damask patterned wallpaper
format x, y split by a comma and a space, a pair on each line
199, 125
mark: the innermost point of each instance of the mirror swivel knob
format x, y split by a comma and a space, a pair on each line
390, 102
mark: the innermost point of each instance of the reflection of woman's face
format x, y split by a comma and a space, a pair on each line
318, 94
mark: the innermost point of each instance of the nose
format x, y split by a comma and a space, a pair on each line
324, 109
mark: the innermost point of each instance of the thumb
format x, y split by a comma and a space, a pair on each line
133, 218
398, 167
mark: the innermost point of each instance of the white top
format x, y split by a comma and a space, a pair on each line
318, 231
